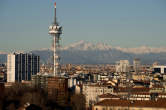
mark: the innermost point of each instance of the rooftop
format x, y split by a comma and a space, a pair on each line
160, 103
108, 96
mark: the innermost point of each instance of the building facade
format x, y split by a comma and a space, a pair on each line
122, 66
57, 88
159, 69
136, 65
92, 92
130, 105
21, 66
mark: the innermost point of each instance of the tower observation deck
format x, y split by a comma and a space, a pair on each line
55, 31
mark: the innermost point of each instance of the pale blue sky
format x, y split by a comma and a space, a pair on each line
126, 23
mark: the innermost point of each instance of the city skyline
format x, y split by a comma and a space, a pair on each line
24, 24
117, 60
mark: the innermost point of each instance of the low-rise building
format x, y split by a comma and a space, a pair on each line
159, 69
91, 92
107, 96
111, 104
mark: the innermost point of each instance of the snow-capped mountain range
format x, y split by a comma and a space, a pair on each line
100, 53
84, 46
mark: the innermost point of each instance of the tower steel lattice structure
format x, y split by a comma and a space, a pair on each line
55, 31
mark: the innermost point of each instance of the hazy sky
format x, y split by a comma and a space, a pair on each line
126, 23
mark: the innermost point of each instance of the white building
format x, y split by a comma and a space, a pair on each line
71, 82
91, 92
122, 66
78, 89
21, 66
159, 69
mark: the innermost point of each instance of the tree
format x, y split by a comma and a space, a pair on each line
78, 102
11, 107
34, 97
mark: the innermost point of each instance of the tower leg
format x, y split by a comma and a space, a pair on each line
55, 73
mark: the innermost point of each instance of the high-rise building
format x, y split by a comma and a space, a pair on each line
122, 66
21, 66
136, 65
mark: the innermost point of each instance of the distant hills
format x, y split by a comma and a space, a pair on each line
88, 53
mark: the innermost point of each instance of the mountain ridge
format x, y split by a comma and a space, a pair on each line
100, 53
83, 45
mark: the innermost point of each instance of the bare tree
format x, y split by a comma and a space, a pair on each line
78, 102
11, 107
34, 97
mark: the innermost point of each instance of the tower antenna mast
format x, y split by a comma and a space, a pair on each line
55, 31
